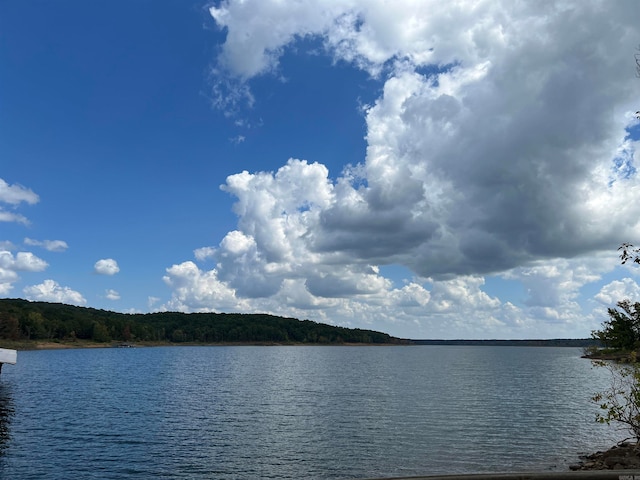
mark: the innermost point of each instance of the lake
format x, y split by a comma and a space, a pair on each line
297, 412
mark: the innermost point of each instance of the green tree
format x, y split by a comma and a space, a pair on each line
622, 330
34, 326
629, 252
178, 336
100, 332
9, 327
620, 403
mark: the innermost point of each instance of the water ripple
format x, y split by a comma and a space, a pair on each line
292, 412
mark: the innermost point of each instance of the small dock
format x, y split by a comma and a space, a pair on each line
8, 356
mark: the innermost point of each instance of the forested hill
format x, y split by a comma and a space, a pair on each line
22, 320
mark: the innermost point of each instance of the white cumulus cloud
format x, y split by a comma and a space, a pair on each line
618, 290
7, 279
28, 262
106, 266
25, 261
7, 245
12, 217
50, 245
499, 143
11, 264
204, 253
51, 291
200, 291
13, 195
112, 295
491, 161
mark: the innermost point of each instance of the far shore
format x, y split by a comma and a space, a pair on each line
66, 345
69, 344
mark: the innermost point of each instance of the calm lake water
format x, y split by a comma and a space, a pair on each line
296, 412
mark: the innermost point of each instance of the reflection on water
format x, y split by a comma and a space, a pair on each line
324, 413
7, 410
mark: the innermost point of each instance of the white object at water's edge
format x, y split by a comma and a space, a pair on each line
8, 356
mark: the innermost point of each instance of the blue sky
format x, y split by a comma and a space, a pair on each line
430, 170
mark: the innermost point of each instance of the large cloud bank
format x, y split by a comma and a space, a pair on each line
500, 143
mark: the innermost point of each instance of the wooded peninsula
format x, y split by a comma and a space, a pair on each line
25, 321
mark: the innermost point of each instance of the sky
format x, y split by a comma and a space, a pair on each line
422, 168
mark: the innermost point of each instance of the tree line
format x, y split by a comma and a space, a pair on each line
621, 331
22, 320
620, 403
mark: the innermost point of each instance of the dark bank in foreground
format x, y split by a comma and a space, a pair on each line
624, 456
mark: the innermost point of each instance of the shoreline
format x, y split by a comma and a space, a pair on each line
69, 344
623, 456
38, 345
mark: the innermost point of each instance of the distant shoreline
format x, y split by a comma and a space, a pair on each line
62, 345
38, 325
556, 342
39, 345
